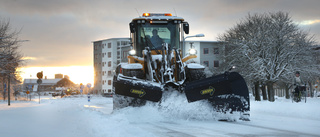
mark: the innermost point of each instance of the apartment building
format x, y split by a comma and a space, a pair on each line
209, 53
107, 54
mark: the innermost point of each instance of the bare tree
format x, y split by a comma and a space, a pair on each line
267, 47
10, 58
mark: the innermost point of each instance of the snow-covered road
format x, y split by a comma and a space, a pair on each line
76, 117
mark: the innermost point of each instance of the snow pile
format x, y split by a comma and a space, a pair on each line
76, 117
195, 66
174, 106
131, 66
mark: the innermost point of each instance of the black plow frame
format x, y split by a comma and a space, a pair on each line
227, 90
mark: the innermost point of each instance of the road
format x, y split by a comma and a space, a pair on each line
76, 117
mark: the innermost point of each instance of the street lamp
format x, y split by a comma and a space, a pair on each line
184, 39
198, 35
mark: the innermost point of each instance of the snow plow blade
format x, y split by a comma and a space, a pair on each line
137, 88
227, 90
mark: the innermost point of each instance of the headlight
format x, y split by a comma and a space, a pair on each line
132, 52
192, 51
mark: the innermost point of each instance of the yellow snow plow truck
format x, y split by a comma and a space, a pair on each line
155, 65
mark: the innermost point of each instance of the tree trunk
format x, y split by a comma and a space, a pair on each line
257, 91
270, 91
310, 89
264, 93
4, 88
287, 91
9, 82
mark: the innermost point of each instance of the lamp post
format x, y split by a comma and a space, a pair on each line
184, 39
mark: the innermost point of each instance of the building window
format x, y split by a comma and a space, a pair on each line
109, 45
215, 50
109, 82
109, 90
109, 64
109, 54
205, 51
206, 63
109, 73
123, 43
216, 63
125, 54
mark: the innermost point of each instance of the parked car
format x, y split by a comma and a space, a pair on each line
58, 94
107, 94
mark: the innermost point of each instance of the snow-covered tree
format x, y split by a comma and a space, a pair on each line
266, 47
10, 58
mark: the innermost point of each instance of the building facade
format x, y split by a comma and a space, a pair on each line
47, 85
209, 53
107, 54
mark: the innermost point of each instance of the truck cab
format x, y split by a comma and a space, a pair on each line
153, 30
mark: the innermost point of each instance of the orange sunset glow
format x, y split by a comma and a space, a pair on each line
77, 74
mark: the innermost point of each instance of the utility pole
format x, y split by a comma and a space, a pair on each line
39, 81
9, 79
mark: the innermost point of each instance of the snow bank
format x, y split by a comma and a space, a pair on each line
195, 66
76, 117
131, 66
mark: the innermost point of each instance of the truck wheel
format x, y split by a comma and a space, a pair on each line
138, 73
195, 74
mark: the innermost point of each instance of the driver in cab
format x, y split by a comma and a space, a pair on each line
156, 40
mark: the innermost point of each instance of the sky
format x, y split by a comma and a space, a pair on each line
60, 33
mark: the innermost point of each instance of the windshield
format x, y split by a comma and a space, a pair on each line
154, 35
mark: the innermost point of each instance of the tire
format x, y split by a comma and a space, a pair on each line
138, 73
195, 74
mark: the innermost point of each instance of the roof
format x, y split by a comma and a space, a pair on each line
44, 81
205, 41
111, 39
158, 16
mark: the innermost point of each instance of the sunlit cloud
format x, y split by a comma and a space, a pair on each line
310, 22
29, 58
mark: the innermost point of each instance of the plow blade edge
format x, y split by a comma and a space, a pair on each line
228, 88
137, 88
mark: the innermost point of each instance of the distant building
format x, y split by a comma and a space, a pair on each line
56, 76
107, 54
47, 85
209, 53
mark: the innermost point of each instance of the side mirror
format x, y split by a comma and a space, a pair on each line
186, 27
132, 29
